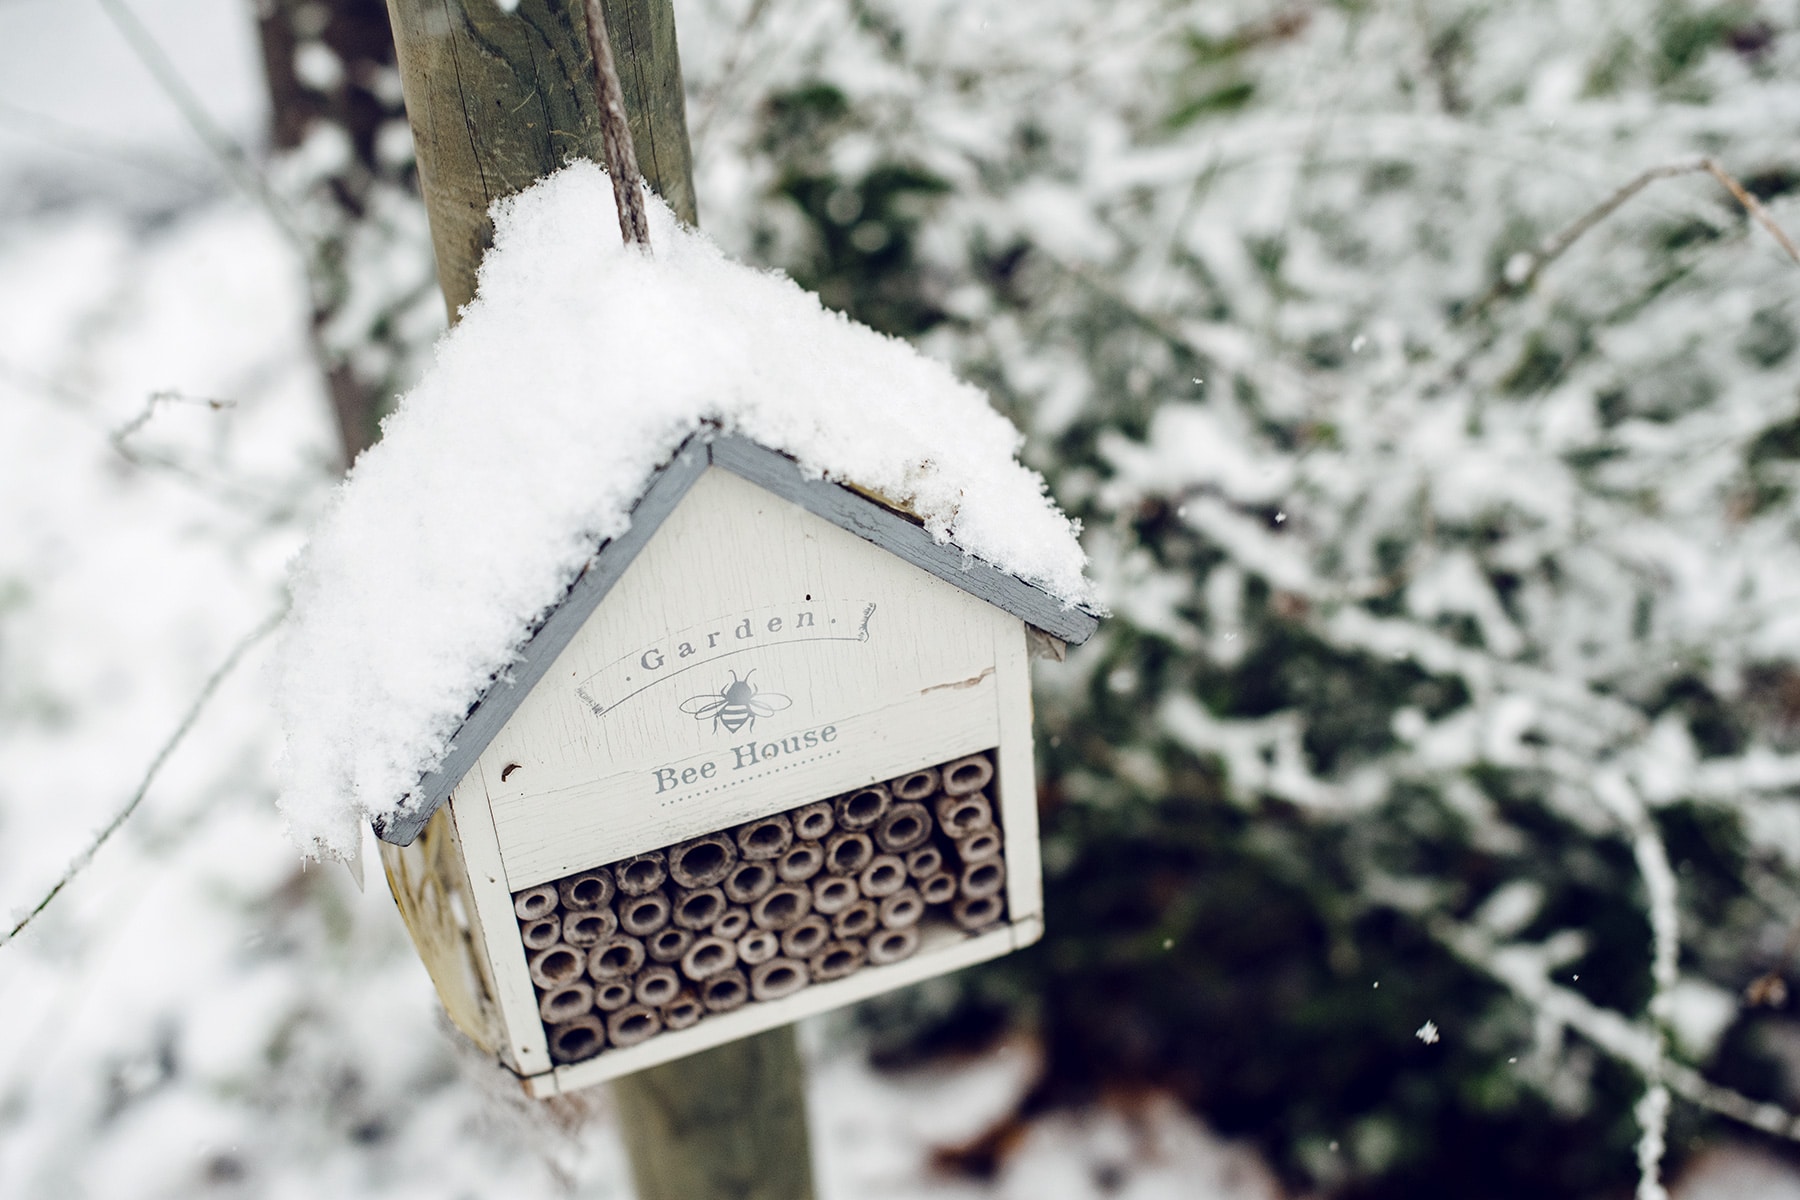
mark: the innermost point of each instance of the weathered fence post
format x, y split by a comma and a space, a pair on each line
497, 100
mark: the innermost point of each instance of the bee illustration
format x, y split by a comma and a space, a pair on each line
737, 705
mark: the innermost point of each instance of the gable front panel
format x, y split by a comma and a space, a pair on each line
752, 657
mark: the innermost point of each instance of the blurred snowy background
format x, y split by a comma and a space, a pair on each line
1455, 670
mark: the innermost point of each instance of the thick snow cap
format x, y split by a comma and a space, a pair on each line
577, 370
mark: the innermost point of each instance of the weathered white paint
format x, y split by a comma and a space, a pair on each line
941, 950
862, 665
886, 666
496, 930
1018, 775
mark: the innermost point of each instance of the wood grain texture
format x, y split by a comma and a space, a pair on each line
685, 1123
498, 100
429, 886
495, 930
1018, 776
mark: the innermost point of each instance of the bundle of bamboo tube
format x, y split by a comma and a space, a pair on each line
661, 940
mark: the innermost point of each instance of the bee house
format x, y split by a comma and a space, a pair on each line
770, 754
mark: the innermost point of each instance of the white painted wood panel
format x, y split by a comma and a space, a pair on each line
1017, 770
942, 950
496, 931
851, 664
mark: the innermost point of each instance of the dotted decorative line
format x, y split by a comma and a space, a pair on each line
719, 787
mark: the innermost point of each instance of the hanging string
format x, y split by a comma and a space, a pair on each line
615, 134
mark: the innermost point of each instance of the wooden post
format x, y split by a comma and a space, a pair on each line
498, 100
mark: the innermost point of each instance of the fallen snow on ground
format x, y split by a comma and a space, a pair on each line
578, 369
877, 1134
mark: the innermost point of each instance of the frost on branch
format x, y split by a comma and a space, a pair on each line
1457, 553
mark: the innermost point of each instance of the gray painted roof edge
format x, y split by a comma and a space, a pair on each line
777, 473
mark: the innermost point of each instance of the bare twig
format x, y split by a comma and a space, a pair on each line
1625, 1040
1523, 269
1753, 206
708, 102
212, 135
615, 133
188, 720
119, 436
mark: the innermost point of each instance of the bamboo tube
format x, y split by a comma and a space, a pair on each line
765, 839
633, 1024
778, 977
612, 995
668, 944
802, 861
698, 908
782, 907
749, 882
967, 775
725, 991
684, 1011
832, 894
938, 888
915, 786
902, 909
702, 861
732, 925
542, 934
924, 862
856, 920
979, 846
589, 927
892, 945
862, 808
904, 827
565, 1003
617, 957
575, 1040
556, 965
586, 889
847, 853
959, 816
640, 873
708, 956
535, 902
973, 912
884, 876
643, 915
836, 960
806, 936
656, 986
758, 946
982, 879
813, 821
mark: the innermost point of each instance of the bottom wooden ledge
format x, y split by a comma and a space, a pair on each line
942, 951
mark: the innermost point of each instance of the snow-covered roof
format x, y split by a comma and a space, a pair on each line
572, 378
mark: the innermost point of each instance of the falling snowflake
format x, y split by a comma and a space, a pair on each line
1428, 1033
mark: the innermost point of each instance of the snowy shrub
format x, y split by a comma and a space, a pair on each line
1453, 566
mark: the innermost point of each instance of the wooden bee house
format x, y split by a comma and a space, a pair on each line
770, 755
